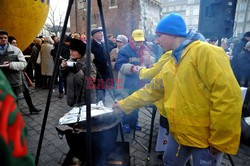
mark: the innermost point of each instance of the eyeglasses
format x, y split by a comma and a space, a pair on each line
5, 38
158, 35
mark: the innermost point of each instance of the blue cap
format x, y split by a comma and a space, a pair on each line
172, 24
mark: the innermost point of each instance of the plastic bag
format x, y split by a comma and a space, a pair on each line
38, 60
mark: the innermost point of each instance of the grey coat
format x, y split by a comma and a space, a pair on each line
17, 63
76, 78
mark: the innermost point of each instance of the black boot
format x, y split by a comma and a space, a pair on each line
34, 110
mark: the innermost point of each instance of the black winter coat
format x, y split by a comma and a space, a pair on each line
237, 50
111, 45
100, 60
242, 67
64, 54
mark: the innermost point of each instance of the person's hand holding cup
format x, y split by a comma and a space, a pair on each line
63, 64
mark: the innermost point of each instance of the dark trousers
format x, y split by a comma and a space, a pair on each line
45, 81
29, 71
26, 94
130, 119
61, 84
38, 76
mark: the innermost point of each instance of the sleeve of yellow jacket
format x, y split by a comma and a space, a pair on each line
152, 72
148, 94
156, 68
225, 96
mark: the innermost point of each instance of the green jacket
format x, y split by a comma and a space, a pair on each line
13, 132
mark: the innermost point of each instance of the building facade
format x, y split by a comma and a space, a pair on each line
188, 9
121, 17
242, 18
192, 14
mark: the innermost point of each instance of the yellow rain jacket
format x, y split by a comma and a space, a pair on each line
201, 97
150, 73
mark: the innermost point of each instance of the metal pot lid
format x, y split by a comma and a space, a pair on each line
72, 116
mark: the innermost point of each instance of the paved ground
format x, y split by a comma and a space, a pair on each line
53, 147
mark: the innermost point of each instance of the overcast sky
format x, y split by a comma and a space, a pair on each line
60, 7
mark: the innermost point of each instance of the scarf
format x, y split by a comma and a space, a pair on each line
139, 52
191, 37
3, 49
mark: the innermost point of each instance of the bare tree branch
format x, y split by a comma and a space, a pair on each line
54, 22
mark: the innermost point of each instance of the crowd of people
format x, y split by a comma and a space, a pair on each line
188, 68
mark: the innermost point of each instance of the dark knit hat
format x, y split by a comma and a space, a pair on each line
2, 32
213, 39
172, 24
247, 34
68, 39
78, 45
95, 31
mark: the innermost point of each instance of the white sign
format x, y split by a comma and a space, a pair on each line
162, 140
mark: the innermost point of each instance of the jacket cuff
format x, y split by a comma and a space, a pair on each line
122, 105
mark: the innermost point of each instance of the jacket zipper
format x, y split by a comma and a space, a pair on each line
174, 106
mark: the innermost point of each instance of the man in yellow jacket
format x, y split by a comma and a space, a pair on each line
202, 98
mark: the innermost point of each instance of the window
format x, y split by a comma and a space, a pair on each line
112, 3
80, 4
248, 27
191, 12
241, 18
243, 7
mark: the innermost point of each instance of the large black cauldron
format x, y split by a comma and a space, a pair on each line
104, 134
